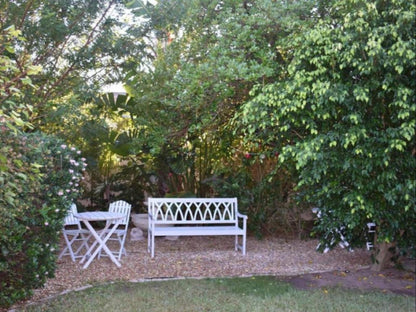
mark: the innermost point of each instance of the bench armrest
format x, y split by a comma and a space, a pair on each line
244, 220
240, 215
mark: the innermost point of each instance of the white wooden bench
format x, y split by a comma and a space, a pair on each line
195, 217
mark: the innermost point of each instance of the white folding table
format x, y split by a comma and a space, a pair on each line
112, 220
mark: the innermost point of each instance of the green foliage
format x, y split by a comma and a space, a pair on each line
14, 79
207, 57
132, 181
39, 178
34, 180
345, 115
198, 70
118, 168
74, 48
264, 193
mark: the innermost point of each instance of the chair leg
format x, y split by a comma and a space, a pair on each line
63, 252
119, 252
83, 244
68, 247
121, 240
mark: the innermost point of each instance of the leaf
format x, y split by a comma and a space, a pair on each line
35, 69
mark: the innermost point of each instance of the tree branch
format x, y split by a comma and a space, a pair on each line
86, 44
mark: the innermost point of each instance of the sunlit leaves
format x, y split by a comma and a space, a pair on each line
348, 110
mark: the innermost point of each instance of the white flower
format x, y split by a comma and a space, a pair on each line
63, 146
60, 192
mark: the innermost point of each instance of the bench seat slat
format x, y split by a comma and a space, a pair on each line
197, 230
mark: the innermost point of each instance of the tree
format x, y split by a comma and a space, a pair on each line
345, 116
207, 56
78, 45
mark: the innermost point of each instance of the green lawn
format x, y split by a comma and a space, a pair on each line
234, 294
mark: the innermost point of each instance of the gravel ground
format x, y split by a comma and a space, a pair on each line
198, 257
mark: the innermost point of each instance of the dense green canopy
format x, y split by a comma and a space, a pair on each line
345, 115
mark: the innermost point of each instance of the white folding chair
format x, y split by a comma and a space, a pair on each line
73, 232
120, 233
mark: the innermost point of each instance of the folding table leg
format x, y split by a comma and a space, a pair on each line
101, 244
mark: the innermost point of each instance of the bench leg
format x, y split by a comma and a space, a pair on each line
153, 246
148, 240
241, 247
244, 244
150, 243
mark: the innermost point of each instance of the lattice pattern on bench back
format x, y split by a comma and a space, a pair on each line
193, 210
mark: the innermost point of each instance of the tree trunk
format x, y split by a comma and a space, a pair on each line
383, 256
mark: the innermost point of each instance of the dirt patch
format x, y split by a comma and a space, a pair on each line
391, 280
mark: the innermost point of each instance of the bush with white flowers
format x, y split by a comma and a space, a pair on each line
39, 178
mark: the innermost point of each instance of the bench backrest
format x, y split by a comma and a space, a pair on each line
193, 210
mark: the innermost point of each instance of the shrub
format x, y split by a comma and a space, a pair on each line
39, 178
264, 193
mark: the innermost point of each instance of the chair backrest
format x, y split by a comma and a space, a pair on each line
70, 219
123, 207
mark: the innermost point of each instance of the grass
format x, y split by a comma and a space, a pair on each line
227, 294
